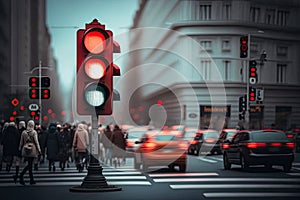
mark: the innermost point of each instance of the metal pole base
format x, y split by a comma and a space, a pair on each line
94, 181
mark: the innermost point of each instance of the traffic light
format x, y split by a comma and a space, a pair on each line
34, 87
242, 104
35, 114
95, 69
242, 116
244, 47
252, 72
252, 94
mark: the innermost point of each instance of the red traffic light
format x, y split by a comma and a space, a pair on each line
244, 47
252, 72
252, 94
95, 68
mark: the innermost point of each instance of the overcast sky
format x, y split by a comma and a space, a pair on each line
64, 15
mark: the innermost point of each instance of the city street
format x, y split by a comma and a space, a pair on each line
205, 179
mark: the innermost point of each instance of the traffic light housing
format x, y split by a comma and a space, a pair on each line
34, 87
95, 69
252, 94
242, 103
252, 72
244, 46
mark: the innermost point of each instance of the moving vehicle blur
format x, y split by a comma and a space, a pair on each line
226, 134
161, 148
133, 135
205, 141
262, 147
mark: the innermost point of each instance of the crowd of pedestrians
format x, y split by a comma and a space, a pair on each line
57, 143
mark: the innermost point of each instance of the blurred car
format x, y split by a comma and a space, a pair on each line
134, 135
291, 134
262, 147
226, 135
189, 134
205, 141
161, 148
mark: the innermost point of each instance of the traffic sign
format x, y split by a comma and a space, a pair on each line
15, 102
259, 94
33, 107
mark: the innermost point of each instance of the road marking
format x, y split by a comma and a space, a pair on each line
294, 174
162, 180
248, 194
232, 186
207, 160
184, 174
74, 183
216, 158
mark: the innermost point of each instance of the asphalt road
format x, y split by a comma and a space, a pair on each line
205, 179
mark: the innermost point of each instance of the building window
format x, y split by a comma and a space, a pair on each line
270, 16
226, 70
282, 17
282, 51
227, 11
203, 12
281, 73
254, 14
206, 68
206, 45
226, 45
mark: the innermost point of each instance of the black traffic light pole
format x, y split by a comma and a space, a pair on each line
94, 181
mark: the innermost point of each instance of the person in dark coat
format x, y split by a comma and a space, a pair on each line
107, 143
42, 135
64, 138
10, 142
119, 148
52, 145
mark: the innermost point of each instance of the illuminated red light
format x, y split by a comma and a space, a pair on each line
276, 144
150, 145
22, 108
11, 118
32, 113
290, 136
290, 145
45, 118
95, 42
225, 146
14, 113
50, 111
159, 102
254, 145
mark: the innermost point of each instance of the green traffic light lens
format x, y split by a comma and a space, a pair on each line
96, 94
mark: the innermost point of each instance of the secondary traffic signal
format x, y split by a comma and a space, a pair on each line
242, 104
252, 94
244, 47
95, 69
34, 87
252, 72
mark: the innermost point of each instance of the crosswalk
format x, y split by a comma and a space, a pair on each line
211, 185
71, 177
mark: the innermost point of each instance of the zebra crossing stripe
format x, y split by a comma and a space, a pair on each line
184, 174
249, 194
163, 180
207, 160
233, 186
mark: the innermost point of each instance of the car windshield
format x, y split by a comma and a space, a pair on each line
230, 134
164, 137
189, 134
211, 135
135, 134
268, 136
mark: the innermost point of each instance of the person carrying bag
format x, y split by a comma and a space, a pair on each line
29, 145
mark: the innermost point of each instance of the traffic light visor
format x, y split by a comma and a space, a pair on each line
95, 41
96, 94
95, 68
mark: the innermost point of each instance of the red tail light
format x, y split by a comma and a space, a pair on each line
225, 146
129, 144
210, 140
289, 135
194, 142
290, 145
183, 146
150, 145
276, 144
254, 145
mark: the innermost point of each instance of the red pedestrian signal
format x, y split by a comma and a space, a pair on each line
95, 69
34, 87
244, 47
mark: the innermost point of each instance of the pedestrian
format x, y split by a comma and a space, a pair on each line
80, 145
10, 142
52, 146
119, 147
29, 137
2, 159
106, 139
64, 142
42, 135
